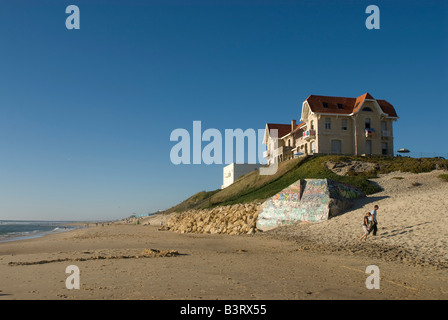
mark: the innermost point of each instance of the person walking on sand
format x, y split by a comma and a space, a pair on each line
366, 225
375, 221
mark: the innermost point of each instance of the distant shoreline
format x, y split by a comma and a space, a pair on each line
16, 230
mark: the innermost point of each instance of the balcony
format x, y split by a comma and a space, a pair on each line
309, 134
266, 154
369, 132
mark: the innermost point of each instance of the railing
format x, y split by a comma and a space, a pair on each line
284, 150
309, 134
370, 132
420, 154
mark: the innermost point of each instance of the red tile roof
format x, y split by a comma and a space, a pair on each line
387, 108
299, 126
283, 129
341, 105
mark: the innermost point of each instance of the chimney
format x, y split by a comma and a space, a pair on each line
293, 124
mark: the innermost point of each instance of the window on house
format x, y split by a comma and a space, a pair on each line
384, 131
327, 123
367, 109
340, 106
344, 125
313, 147
384, 148
367, 122
368, 146
325, 104
312, 124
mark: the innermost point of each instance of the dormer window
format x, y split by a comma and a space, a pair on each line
340, 106
325, 104
367, 109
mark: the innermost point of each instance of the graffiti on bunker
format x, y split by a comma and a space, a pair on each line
291, 193
313, 205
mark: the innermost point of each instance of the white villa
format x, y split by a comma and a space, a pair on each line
335, 125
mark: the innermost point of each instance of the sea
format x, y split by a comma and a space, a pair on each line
12, 230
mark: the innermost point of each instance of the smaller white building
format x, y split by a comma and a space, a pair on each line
235, 170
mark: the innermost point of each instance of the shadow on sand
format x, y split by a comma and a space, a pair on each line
362, 202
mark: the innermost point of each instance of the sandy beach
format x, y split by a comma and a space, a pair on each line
412, 222
304, 261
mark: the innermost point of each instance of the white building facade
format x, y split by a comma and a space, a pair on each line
235, 170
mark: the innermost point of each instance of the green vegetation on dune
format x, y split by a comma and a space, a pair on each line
255, 187
406, 164
197, 200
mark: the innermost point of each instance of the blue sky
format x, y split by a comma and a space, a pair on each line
86, 115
